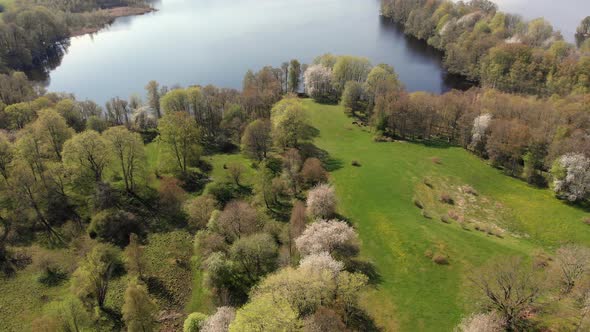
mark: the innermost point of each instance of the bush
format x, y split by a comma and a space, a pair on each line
50, 272
418, 203
114, 226
427, 183
426, 215
313, 172
453, 215
194, 322
192, 181
488, 322
223, 192
470, 190
447, 199
198, 211
445, 219
440, 259
355, 163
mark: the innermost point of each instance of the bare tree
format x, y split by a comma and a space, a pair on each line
508, 287
573, 262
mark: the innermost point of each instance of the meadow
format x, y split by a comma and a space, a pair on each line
498, 216
378, 197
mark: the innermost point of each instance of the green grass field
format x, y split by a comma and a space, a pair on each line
415, 293
7, 4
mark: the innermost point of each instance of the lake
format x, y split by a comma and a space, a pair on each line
216, 41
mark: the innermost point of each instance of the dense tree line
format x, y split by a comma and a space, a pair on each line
541, 140
75, 171
525, 136
499, 50
33, 34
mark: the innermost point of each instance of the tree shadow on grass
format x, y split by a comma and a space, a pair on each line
584, 206
311, 132
115, 317
157, 288
309, 150
359, 320
366, 268
433, 143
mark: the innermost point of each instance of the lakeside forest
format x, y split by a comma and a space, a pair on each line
319, 197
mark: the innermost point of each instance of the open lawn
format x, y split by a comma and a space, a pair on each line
415, 293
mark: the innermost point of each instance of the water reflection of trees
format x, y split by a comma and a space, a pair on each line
40, 72
420, 51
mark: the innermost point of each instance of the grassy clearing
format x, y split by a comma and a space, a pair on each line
200, 298
415, 293
168, 271
22, 297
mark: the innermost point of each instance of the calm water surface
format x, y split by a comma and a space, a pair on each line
217, 41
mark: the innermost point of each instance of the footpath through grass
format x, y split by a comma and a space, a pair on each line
416, 294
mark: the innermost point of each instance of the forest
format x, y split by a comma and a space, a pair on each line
202, 208
34, 34
499, 50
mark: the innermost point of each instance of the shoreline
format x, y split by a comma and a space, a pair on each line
113, 14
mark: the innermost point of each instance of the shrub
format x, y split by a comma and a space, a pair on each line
418, 203
440, 259
426, 214
192, 181
194, 322
238, 219
445, 219
488, 322
324, 319
355, 163
470, 190
171, 197
313, 172
114, 226
50, 272
453, 215
447, 199
223, 192
199, 211
321, 201
427, 183
220, 321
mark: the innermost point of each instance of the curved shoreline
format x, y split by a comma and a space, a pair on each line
113, 14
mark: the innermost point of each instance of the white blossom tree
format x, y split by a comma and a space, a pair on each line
318, 83
321, 201
480, 126
220, 321
323, 261
571, 175
325, 236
